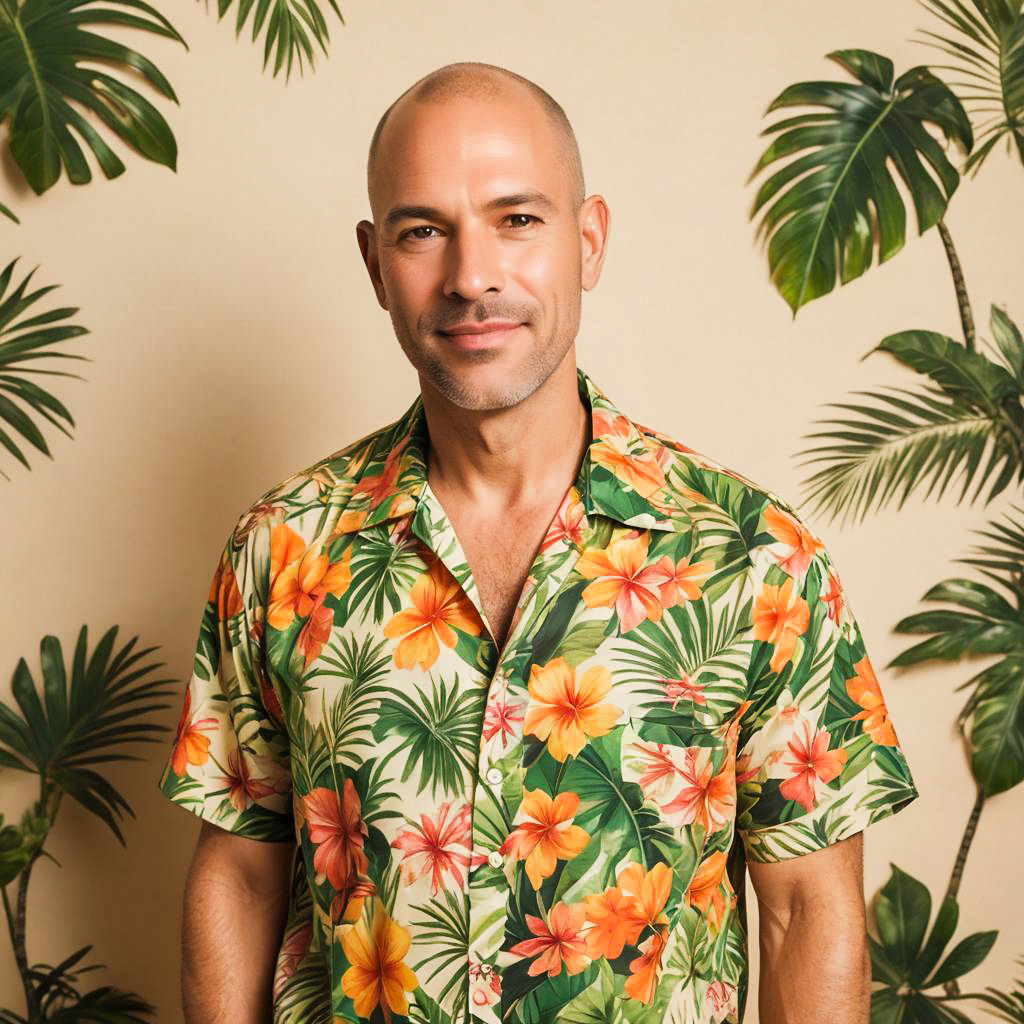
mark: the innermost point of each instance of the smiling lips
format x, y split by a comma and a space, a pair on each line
479, 335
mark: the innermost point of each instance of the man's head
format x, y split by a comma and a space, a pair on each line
477, 196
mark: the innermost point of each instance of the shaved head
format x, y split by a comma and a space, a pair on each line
477, 81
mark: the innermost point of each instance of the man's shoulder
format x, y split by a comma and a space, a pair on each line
695, 479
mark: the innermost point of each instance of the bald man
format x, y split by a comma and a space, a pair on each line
494, 707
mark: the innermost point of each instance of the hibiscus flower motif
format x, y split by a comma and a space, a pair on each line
439, 846
378, 975
622, 581
720, 999
438, 605
835, 599
705, 891
780, 617
796, 546
338, 832
619, 915
190, 745
547, 835
557, 941
569, 523
566, 712
811, 765
865, 690
639, 471
704, 797
244, 786
683, 688
301, 577
681, 581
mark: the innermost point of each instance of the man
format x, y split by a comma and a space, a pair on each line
493, 707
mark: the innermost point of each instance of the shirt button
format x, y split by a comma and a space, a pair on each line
494, 776
495, 859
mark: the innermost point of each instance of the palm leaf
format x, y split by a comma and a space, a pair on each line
23, 342
988, 50
842, 200
8, 212
42, 44
287, 26
1008, 1006
79, 722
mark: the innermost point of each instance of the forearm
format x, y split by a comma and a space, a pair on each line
814, 966
230, 940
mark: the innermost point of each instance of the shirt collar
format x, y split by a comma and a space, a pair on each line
622, 475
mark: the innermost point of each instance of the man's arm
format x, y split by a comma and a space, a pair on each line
814, 966
236, 902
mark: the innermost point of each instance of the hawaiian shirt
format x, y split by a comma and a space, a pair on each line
556, 830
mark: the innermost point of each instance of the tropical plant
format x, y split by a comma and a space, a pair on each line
1007, 1006
85, 713
905, 958
24, 341
966, 417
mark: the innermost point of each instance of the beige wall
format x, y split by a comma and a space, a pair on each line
235, 338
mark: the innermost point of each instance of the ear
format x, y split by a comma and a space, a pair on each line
367, 239
595, 223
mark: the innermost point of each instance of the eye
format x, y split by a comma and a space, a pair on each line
528, 216
423, 227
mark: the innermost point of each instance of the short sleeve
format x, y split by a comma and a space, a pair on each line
230, 760
818, 758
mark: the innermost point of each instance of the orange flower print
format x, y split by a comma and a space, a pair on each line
681, 580
338, 833
811, 765
190, 745
864, 689
798, 543
438, 605
569, 523
613, 923
378, 975
622, 581
301, 578
224, 590
557, 943
705, 891
611, 450
642, 981
835, 598
704, 798
547, 836
565, 712
780, 617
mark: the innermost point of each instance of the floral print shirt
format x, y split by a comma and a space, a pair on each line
553, 831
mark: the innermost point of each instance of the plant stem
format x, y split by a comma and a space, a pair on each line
952, 987
966, 316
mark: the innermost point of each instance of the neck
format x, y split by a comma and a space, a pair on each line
501, 459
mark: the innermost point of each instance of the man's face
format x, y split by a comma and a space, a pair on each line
474, 222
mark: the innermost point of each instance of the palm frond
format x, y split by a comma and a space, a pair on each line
80, 721
1006, 1006
988, 49
22, 342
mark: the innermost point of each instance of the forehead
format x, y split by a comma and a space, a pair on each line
431, 149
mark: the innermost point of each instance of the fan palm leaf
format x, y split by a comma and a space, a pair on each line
82, 719
988, 50
22, 342
42, 45
286, 29
841, 199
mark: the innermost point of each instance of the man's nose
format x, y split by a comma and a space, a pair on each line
474, 264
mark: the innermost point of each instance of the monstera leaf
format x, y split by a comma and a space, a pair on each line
80, 721
22, 342
988, 48
905, 959
842, 200
286, 28
42, 44
970, 404
983, 623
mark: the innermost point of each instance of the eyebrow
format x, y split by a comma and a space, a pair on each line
430, 213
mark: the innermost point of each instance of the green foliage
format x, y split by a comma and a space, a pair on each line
988, 49
970, 405
80, 721
842, 200
1007, 1006
24, 342
905, 959
20, 845
61, 1002
44, 47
